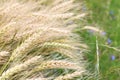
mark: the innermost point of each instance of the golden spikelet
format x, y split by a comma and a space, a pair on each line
57, 64
62, 6
20, 67
55, 44
70, 76
54, 16
38, 78
93, 28
4, 56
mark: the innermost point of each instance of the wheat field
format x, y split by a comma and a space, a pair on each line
38, 42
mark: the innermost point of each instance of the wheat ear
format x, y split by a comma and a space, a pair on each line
70, 76
20, 67
53, 64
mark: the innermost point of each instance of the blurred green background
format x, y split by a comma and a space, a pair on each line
104, 14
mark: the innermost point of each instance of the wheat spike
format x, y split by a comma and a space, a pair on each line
57, 64
62, 6
4, 54
55, 44
93, 28
70, 76
38, 78
20, 67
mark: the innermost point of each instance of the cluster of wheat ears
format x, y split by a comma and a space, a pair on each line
37, 40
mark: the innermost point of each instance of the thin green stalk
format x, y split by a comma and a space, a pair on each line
97, 55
